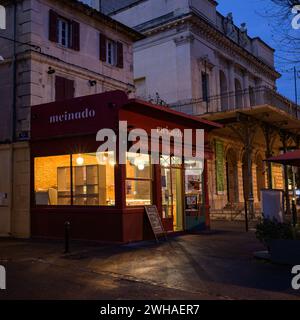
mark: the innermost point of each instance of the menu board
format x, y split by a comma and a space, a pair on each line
220, 166
155, 221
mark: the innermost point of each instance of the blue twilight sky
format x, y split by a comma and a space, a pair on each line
254, 13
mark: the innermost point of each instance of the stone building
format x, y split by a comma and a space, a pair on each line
198, 61
50, 50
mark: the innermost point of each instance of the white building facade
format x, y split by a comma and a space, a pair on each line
199, 62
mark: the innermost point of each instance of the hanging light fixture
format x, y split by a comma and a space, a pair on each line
80, 161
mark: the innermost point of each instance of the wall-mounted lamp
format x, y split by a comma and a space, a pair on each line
92, 83
1, 59
51, 70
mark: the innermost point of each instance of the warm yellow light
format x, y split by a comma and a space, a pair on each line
80, 161
141, 166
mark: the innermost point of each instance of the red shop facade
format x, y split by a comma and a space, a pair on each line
102, 199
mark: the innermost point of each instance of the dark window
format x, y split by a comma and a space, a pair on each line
111, 52
64, 89
205, 86
64, 31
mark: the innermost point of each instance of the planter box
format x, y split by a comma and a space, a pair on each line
285, 251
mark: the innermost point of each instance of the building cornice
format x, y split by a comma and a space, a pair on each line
217, 38
70, 68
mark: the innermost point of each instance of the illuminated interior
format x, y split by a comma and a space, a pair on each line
92, 180
138, 180
172, 175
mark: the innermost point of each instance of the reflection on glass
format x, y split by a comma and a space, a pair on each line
138, 180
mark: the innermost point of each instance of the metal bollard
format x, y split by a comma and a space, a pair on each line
67, 236
294, 213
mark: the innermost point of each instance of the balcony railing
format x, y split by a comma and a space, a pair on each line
238, 100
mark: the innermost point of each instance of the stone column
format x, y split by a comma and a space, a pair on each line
231, 86
246, 94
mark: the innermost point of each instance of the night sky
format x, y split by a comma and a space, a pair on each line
259, 23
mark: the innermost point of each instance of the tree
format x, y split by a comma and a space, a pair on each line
282, 17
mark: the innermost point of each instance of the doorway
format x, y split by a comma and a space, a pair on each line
172, 193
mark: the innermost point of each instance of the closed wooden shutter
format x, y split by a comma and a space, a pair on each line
75, 35
69, 89
64, 89
102, 47
53, 26
120, 55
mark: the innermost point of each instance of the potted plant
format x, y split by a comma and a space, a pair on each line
281, 239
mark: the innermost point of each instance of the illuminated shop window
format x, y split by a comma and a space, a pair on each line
92, 179
138, 180
194, 185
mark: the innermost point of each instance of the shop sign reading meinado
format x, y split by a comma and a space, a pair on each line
72, 116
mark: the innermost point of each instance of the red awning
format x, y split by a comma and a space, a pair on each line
289, 158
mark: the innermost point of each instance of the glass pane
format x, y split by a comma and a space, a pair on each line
52, 180
176, 162
93, 180
138, 166
166, 185
138, 193
193, 185
165, 161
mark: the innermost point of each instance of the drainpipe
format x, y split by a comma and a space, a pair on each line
13, 115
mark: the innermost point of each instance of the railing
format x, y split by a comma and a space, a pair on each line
242, 99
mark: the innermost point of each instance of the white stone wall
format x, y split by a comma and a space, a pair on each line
157, 60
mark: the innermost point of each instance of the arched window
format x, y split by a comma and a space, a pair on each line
238, 94
224, 92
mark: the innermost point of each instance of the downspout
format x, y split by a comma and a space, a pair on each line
13, 116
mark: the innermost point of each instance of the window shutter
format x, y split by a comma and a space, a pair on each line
102, 47
69, 89
120, 55
59, 89
64, 89
53, 26
75, 36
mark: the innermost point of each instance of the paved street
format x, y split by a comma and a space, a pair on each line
214, 265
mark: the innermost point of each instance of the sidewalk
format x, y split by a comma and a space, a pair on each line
215, 265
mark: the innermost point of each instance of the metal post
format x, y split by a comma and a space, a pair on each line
296, 86
246, 216
286, 179
67, 236
296, 91
267, 133
250, 175
294, 212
